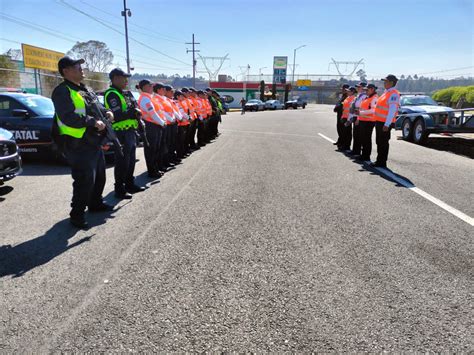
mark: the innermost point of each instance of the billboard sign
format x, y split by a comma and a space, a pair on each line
280, 65
40, 58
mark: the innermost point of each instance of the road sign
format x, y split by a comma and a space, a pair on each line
303, 82
40, 58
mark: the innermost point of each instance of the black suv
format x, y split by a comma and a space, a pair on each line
10, 161
295, 103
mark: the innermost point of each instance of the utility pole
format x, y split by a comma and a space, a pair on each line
194, 59
294, 63
126, 12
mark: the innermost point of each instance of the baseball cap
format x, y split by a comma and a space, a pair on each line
66, 62
353, 89
168, 88
390, 77
192, 89
345, 86
208, 89
372, 86
361, 84
118, 72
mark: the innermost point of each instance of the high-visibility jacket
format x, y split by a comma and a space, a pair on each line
201, 108
192, 108
346, 106
208, 107
366, 109
152, 108
123, 124
381, 109
184, 110
176, 111
80, 109
167, 108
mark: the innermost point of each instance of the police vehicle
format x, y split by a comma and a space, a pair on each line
30, 118
10, 160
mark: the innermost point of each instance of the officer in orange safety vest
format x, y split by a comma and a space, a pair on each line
183, 124
367, 122
347, 128
385, 114
154, 125
173, 156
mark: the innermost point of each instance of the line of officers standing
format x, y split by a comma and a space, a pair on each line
168, 120
359, 111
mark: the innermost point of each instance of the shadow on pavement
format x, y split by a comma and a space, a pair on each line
19, 259
5, 190
456, 145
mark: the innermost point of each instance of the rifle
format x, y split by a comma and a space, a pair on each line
109, 131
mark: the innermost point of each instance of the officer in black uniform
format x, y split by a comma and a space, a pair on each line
126, 116
81, 132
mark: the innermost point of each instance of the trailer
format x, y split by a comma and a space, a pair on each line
417, 126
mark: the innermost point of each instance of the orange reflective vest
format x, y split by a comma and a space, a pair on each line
166, 106
346, 106
148, 114
381, 109
365, 105
183, 107
192, 108
208, 107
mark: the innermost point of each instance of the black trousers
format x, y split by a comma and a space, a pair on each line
201, 132
356, 142
339, 128
346, 135
382, 138
191, 133
88, 174
154, 134
181, 148
366, 129
163, 151
125, 165
172, 138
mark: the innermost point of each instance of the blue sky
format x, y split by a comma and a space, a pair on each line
400, 37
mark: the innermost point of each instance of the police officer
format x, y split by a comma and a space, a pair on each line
126, 116
214, 119
366, 120
385, 114
220, 110
356, 132
81, 133
338, 110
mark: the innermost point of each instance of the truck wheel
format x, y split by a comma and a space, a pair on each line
407, 130
304, 106
419, 131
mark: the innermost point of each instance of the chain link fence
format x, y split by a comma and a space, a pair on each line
43, 82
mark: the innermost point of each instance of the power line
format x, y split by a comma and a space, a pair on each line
160, 35
64, 3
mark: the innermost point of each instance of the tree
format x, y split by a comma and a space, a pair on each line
415, 77
8, 77
96, 54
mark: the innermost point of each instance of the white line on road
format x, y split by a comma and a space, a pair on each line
327, 138
419, 191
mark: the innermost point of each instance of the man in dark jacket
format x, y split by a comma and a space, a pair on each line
338, 111
126, 116
81, 130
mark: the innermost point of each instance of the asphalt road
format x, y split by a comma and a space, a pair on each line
265, 240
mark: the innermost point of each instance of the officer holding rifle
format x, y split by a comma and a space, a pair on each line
126, 123
82, 128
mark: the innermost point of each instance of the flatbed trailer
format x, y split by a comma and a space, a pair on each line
416, 127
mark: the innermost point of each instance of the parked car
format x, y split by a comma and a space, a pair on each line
254, 105
295, 103
420, 115
10, 160
274, 105
30, 118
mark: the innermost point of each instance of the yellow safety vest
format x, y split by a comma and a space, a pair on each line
80, 109
124, 124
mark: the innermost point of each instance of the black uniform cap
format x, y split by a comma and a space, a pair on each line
353, 89
208, 89
168, 88
200, 92
345, 86
66, 62
118, 72
361, 84
178, 93
192, 89
391, 77
183, 90
372, 86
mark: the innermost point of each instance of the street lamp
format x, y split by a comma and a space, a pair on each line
260, 70
294, 61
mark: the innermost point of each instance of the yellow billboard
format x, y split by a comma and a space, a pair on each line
40, 58
303, 82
